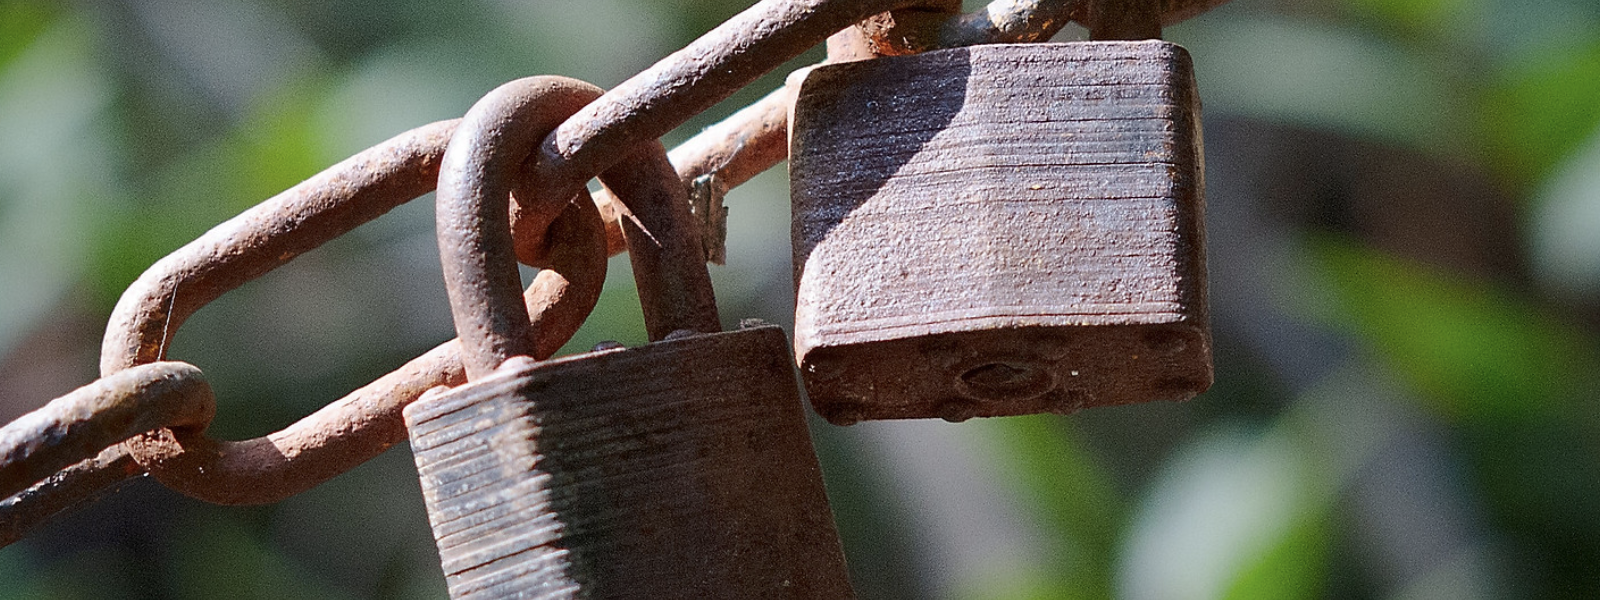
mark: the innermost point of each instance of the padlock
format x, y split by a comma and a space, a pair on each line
999, 230
679, 469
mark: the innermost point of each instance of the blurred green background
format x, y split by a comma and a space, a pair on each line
1404, 229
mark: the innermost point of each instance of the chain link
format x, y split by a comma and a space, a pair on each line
368, 421
81, 424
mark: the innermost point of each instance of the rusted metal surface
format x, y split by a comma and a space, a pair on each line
67, 488
367, 185
753, 139
1020, 21
483, 164
347, 432
686, 82
669, 263
740, 147
1122, 19
269, 235
1008, 22
998, 230
661, 237
366, 422
894, 33
1001, 22
681, 469
677, 470
79, 425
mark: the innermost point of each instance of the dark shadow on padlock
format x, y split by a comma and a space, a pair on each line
679, 469
1020, 231
636, 492
863, 160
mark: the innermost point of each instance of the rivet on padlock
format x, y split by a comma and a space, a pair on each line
999, 230
680, 469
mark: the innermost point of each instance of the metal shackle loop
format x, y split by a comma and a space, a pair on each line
664, 244
482, 167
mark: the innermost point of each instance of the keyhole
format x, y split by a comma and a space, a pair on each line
1006, 381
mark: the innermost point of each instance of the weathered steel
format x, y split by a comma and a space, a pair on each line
754, 139
999, 230
1122, 19
653, 212
1007, 22
680, 469
686, 82
69, 487
482, 165
79, 425
364, 423
894, 33
740, 147
664, 245
746, 144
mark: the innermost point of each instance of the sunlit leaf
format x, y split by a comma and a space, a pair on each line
21, 21
1294, 567
1543, 109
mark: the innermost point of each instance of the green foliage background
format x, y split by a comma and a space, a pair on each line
1405, 229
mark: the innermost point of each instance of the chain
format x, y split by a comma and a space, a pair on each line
79, 425
137, 395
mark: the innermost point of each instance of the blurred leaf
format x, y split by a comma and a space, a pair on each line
1539, 112
101, 572
219, 558
21, 21
1293, 568
1234, 515
1478, 352
1024, 586
274, 147
616, 317
18, 577
1324, 77
1070, 493
1566, 215
1418, 18
54, 178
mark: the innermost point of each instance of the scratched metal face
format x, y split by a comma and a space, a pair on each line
997, 188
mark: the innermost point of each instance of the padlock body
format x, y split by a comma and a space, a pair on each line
999, 230
680, 469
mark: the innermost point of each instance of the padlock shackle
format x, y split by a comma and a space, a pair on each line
664, 247
480, 169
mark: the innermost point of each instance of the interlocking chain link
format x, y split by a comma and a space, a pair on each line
137, 394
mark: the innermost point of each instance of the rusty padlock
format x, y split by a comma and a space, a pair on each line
679, 469
999, 230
